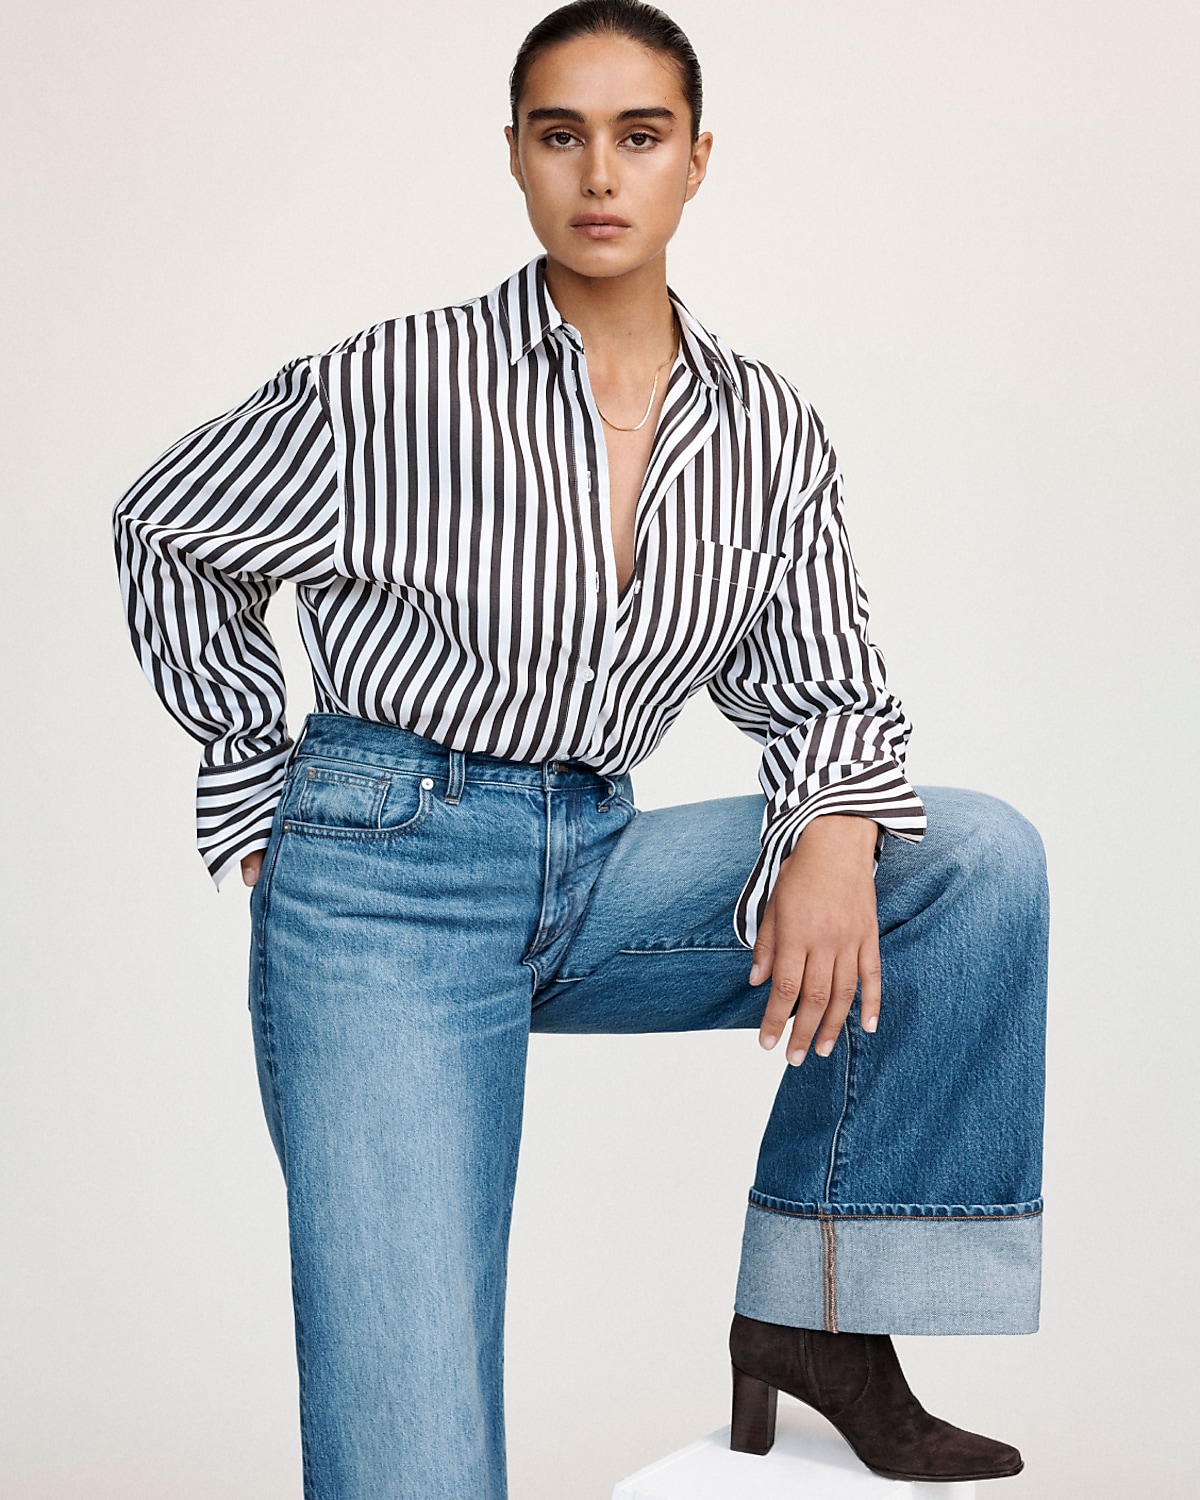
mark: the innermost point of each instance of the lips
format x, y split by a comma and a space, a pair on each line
600, 226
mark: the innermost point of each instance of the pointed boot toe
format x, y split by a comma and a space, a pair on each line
930, 1452
855, 1381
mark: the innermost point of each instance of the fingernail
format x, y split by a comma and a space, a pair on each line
796, 1058
755, 973
824, 1049
767, 1042
870, 1023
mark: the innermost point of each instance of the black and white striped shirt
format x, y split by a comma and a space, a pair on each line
437, 490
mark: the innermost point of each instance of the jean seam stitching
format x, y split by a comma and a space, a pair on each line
272, 1060
688, 948
829, 1272
339, 778
823, 1214
527, 957
847, 1100
364, 835
478, 778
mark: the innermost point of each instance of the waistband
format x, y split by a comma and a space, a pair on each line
345, 737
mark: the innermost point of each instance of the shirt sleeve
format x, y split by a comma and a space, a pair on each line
808, 684
203, 540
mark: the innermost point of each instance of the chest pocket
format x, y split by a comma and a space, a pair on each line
730, 588
740, 570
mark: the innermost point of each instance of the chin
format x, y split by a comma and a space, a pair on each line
599, 259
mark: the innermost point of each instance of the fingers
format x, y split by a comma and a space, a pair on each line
785, 992
252, 868
816, 997
764, 946
819, 990
760, 969
844, 982
871, 981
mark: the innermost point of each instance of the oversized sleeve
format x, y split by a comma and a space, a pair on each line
203, 540
808, 684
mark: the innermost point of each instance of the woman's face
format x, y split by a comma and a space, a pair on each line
604, 153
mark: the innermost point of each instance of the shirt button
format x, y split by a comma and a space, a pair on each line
587, 674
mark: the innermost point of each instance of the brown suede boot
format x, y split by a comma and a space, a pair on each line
855, 1380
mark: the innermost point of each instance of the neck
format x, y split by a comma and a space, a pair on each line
627, 319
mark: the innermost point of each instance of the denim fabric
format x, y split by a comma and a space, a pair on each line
420, 910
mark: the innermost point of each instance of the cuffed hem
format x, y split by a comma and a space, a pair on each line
893, 1268
879, 792
235, 807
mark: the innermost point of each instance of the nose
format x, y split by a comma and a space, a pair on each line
599, 176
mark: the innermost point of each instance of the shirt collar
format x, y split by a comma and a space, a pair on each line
528, 316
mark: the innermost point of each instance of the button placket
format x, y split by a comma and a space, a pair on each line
581, 413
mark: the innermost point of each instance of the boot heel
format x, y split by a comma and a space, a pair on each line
754, 1404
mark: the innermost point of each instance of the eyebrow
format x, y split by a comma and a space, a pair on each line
650, 112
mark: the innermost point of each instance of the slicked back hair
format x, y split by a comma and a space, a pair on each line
645, 24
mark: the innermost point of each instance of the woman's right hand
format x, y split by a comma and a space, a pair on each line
252, 867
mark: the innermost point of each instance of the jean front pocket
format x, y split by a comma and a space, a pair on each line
615, 796
332, 803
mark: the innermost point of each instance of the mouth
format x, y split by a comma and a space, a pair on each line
600, 226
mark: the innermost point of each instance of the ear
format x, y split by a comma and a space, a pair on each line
698, 165
514, 160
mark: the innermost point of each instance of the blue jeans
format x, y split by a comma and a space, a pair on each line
421, 910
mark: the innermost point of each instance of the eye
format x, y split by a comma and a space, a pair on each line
559, 139
641, 140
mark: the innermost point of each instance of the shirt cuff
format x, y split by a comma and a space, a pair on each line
235, 806
879, 792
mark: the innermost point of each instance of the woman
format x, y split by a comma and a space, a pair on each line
523, 531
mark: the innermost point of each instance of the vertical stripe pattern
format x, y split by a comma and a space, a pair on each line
437, 490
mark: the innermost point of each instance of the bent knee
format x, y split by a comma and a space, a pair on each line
986, 838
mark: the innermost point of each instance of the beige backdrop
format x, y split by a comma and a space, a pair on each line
967, 230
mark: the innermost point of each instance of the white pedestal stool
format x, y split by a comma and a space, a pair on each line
808, 1462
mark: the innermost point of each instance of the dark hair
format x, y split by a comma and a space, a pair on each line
628, 18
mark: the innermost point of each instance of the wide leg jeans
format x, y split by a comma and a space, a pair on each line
421, 910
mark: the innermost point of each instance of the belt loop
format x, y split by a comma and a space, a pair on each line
456, 776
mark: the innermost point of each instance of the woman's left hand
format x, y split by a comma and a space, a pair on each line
819, 937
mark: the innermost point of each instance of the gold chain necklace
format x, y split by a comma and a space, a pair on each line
649, 404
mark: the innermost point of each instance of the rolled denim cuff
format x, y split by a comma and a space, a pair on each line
893, 1268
